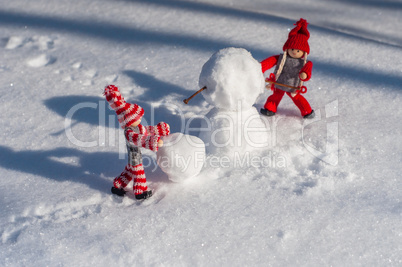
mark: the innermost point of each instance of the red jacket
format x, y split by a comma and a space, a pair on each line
268, 63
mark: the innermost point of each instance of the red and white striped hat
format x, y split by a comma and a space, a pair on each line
127, 113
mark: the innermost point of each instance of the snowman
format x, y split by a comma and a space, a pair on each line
233, 81
232, 128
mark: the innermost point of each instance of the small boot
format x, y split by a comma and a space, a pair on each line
310, 115
118, 191
267, 112
144, 195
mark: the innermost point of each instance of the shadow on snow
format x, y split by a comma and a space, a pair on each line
132, 35
86, 168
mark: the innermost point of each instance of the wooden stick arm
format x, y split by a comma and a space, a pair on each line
302, 88
284, 85
193, 95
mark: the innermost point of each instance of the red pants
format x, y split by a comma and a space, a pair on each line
132, 172
274, 100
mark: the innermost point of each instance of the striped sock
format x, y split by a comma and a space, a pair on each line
140, 181
125, 177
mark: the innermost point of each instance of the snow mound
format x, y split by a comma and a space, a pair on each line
15, 42
233, 79
181, 157
40, 61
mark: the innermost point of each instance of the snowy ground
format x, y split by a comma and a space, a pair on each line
327, 193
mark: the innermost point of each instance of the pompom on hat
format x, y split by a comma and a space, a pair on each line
298, 37
127, 113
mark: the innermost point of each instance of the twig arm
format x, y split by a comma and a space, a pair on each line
193, 95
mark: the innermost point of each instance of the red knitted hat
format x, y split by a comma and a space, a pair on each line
298, 37
127, 113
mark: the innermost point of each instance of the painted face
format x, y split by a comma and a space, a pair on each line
135, 124
295, 53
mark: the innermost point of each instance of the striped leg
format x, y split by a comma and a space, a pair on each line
125, 177
140, 181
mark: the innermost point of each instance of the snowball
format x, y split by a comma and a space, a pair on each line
181, 156
233, 79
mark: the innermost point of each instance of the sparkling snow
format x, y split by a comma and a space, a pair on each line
325, 192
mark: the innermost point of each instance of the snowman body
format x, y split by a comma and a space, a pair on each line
234, 81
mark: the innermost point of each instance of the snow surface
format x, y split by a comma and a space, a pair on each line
324, 192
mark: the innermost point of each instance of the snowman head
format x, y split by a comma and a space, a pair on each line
233, 79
